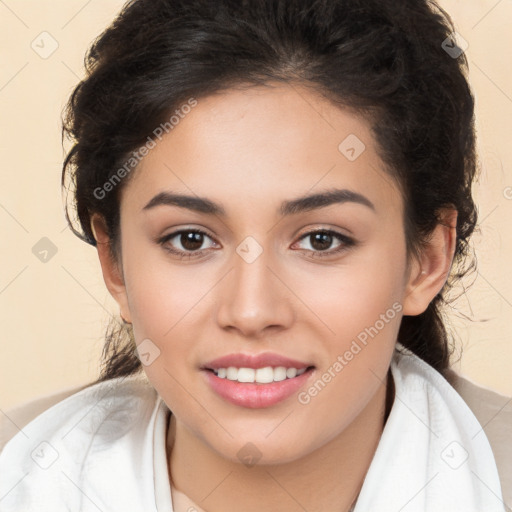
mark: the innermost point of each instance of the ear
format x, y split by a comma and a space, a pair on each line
112, 270
429, 272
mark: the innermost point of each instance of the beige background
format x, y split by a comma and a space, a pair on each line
53, 314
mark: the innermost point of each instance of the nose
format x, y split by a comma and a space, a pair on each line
254, 297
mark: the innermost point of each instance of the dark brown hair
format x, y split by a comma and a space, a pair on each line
384, 59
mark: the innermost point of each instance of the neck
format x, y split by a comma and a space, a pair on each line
335, 471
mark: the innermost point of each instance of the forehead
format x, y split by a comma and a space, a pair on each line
264, 142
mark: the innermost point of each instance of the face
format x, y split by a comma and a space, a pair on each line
263, 280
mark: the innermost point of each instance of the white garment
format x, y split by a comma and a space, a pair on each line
104, 449
433, 454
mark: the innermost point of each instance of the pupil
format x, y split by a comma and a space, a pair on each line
191, 241
323, 238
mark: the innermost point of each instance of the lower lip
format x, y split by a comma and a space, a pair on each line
256, 396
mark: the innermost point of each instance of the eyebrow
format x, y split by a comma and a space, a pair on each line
289, 207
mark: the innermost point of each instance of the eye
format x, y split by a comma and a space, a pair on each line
322, 239
188, 243
190, 240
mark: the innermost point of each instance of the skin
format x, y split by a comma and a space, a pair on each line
248, 150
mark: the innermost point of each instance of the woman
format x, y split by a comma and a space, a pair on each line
280, 196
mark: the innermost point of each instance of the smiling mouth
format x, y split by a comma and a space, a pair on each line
265, 375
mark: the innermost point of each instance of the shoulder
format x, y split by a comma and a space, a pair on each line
494, 413
104, 427
70, 400
491, 411
13, 420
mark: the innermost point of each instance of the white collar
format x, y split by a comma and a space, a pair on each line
433, 455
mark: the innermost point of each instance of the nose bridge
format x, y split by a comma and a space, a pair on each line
252, 296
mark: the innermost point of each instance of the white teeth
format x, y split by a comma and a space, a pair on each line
246, 374
264, 375
260, 375
291, 372
232, 373
279, 373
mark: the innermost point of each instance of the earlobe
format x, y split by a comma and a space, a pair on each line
111, 270
430, 271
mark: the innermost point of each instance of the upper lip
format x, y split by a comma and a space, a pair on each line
254, 361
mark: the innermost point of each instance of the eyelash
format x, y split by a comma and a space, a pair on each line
346, 243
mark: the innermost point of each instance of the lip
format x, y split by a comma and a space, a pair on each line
252, 395
262, 360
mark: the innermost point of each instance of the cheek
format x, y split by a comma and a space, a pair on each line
171, 306
160, 291
368, 284
363, 311
164, 305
